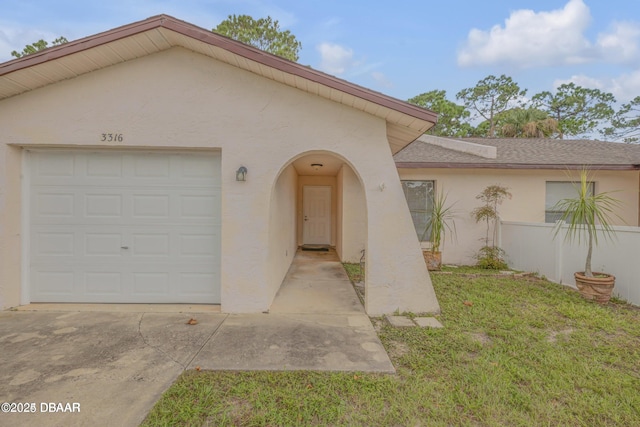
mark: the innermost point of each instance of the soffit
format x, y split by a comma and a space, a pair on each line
330, 165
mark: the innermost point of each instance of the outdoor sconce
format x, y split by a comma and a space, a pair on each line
241, 174
316, 166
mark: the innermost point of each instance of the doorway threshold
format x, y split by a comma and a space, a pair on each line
319, 248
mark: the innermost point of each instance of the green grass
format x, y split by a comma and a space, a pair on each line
526, 352
354, 272
471, 269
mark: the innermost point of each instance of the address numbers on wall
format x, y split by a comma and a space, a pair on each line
111, 137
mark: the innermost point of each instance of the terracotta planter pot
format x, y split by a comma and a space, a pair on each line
433, 260
597, 289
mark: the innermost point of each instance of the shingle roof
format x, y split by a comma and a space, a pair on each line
519, 153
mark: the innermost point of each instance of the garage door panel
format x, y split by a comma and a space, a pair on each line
54, 204
103, 244
104, 166
115, 169
194, 207
103, 206
55, 165
104, 283
151, 206
150, 283
152, 166
150, 244
124, 227
196, 284
127, 208
198, 245
58, 283
55, 244
202, 168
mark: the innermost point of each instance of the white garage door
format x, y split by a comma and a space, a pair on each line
124, 227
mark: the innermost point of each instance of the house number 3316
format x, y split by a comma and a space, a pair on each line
112, 137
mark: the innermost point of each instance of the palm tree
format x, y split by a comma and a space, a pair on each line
526, 123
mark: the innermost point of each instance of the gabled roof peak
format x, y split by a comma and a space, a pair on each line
405, 121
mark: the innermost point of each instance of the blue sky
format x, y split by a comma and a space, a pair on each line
400, 48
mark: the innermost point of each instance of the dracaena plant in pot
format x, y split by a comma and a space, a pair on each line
586, 217
440, 223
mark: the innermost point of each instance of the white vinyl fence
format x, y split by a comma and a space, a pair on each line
532, 247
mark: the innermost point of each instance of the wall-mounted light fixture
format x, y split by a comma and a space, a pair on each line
316, 166
241, 174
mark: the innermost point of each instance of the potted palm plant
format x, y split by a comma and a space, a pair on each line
584, 217
439, 224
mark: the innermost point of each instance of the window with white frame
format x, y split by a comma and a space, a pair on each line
419, 195
556, 191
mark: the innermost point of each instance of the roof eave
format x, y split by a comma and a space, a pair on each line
425, 117
75, 46
453, 165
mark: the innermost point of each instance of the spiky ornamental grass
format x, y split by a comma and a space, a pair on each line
441, 222
587, 215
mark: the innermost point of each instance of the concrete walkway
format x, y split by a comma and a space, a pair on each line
115, 364
316, 322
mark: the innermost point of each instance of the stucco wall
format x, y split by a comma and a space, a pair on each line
354, 216
181, 100
10, 232
282, 228
339, 213
528, 188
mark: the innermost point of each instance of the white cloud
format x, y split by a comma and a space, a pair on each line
624, 87
621, 44
582, 80
531, 38
538, 39
335, 59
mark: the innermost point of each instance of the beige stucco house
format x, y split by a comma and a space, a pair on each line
162, 163
537, 172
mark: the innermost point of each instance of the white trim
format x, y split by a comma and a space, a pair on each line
25, 210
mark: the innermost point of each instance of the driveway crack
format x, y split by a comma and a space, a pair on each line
215, 331
156, 348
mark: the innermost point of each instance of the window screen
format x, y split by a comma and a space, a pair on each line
419, 195
557, 191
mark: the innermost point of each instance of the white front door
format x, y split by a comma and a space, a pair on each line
316, 203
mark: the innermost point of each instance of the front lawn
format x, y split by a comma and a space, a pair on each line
513, 352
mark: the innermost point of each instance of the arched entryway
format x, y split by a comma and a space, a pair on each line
317, 201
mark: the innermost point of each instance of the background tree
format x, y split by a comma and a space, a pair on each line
37, 47
264, 33
577, 110
525, 123
625, 124
491, 96
451, 116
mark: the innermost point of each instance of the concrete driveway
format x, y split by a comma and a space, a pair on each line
113, 365
114, 361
